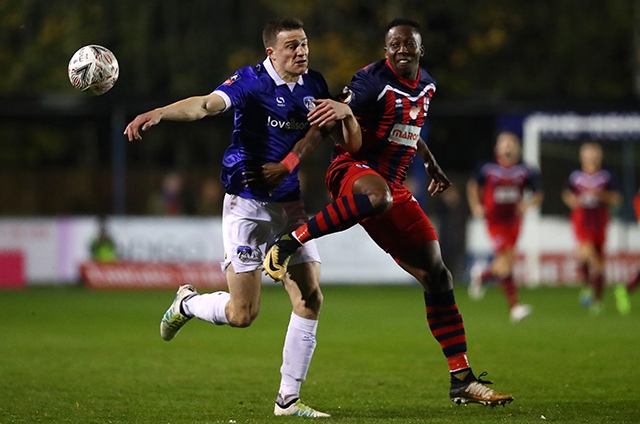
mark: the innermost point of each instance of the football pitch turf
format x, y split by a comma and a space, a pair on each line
73, 355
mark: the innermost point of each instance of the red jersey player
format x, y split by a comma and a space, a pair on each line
622, 292
390, 99
589, 194
496, 193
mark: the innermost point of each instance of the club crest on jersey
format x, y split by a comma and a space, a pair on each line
246, 254
413, 112
233, 78
308, 102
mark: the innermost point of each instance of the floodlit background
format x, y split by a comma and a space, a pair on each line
63, 158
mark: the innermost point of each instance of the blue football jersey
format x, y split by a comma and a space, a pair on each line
270, 117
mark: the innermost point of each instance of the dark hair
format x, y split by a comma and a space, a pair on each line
276, 26
404, 22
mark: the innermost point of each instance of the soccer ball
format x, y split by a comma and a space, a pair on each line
93, 69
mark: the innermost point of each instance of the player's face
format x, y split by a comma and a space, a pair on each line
590, 159
290, 55
403, 48
507, 149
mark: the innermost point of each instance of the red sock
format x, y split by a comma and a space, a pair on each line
583, 273
445, 323
458, 362
597, 282
486, 275
633, 284
510, 291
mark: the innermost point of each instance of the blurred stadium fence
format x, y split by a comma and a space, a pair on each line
159, 252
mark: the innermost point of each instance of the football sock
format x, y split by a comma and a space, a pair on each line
208, 307
633, 284
486, 275
445, 323
299, 344
510, 291
336, 216
597, 282
583, 273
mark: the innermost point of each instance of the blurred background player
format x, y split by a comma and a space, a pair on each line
391, 98
102, 247
172, 198
496, 192
280, 89
589, 194
622, 292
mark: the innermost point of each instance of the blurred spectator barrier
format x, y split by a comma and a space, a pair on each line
11, 269
167, 251
140, 275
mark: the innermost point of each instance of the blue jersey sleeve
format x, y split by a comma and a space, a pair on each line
239, 86
570, 184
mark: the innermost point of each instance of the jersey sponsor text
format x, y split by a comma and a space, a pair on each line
291, 124
407, 135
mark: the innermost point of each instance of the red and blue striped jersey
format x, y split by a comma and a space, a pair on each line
503, 188
592, 213
391, 112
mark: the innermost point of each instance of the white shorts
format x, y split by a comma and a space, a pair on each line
250, 227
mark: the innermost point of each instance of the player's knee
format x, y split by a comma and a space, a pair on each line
444, 277
381, 200
242, 317
313, 301
309, 305
439, 277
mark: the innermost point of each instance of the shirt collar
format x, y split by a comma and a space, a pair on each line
274, 75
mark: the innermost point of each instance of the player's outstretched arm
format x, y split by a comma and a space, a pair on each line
439, 181
189, 109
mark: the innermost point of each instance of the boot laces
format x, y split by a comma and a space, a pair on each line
478, 387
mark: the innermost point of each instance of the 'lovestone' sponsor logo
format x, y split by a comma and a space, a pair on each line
291, 124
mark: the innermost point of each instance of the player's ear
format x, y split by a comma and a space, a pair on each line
269, 51
421, 50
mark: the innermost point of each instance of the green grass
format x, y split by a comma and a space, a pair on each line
71, 355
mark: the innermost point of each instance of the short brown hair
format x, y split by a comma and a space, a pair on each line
276, 26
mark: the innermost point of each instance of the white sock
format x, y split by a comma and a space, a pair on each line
208, 307
299, 345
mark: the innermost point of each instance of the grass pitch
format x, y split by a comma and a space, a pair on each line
72, 355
